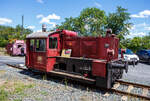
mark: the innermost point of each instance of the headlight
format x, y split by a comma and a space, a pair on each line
137, 58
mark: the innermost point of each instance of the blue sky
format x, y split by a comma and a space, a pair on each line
53, 12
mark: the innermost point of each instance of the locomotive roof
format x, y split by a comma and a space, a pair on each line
40, 34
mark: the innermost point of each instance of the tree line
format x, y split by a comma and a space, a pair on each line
136, 43
90, 22
9, 34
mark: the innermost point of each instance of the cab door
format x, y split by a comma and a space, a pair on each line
40, 54
53, 51
31, 52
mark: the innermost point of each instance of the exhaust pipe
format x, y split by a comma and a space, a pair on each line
43, 27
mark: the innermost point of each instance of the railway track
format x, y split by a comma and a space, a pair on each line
118, 83
130, 87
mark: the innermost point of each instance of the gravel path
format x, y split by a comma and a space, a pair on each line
60, 90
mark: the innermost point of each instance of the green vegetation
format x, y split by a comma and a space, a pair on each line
44, 93
38, 99
94, 22
45, 77
91, 22
17, 100
136, 43
9, 88
9, 34
119, 22
3, 95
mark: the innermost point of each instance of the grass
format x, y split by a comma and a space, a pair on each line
38, 99
44, 93
17, 100
13, 88
2, 72
3, 95
44, 77
66, 82
2, 51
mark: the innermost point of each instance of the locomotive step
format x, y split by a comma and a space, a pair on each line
72, 77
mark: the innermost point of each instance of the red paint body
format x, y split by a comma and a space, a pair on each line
95, 48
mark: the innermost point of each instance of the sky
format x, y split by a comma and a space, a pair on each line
52, 12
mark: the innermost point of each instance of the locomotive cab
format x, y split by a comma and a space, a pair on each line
43, 47
40, 48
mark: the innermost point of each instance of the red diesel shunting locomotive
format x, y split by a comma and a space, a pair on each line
87, 59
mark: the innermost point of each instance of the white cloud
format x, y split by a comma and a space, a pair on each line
40, 1
139, 30
141, 25
143, 14
136, 34
97, 4
147, 28
40, 30
39, 16
48, 18
140, 34
5, 21
31, 27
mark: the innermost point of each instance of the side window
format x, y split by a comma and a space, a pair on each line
40, 45
32, 44
53, 43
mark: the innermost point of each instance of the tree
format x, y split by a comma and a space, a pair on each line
90, 22
119, 22
93, 22
8, 34
136, 43
146, 42
125, 43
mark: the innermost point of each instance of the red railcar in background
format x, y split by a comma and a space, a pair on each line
87, 59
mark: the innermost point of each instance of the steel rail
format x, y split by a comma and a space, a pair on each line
16, 66
129, 94
131, 83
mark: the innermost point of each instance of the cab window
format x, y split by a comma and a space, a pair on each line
53, 43
31, 44
40, 45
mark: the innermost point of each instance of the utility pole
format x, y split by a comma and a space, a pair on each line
22, 23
